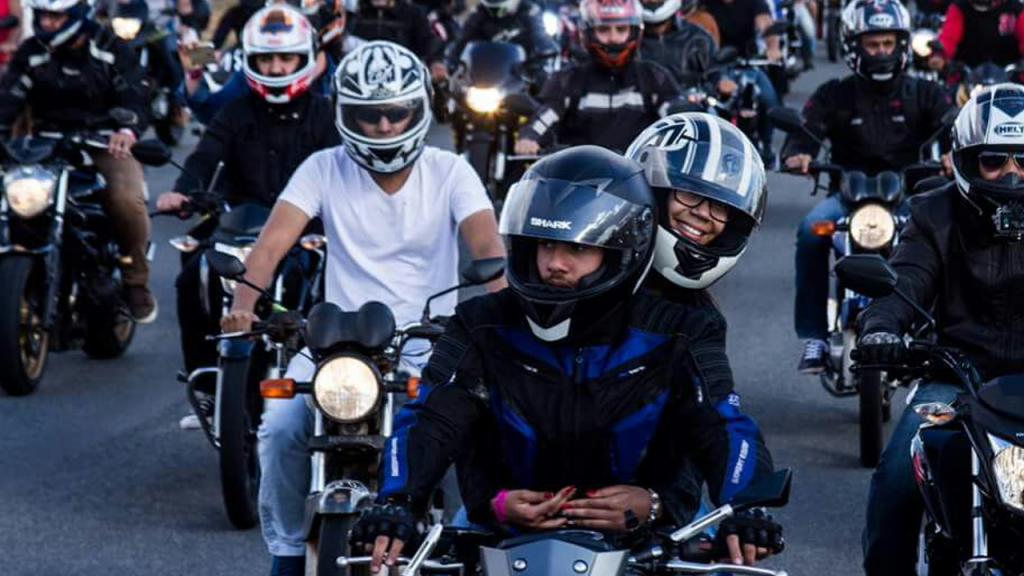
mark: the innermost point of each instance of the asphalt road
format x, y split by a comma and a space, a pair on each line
97, 479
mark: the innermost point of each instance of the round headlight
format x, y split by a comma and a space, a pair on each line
483, 100
126, 28
550, 20
29, 190
872, 226
920, 43
346, 388
1008, 466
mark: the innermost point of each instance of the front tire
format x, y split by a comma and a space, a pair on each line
24, 345
478, 154
871, 386
109, 330
239, 459
333, 542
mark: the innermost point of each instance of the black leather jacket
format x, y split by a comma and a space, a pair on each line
869, 129
685, 50
404, 23
590, 104
524, 27
71, 86
626, 408
948, 256
261, 145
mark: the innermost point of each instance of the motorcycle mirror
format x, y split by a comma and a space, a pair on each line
151, 152
771, 490
225, 265
868, 274
726, 55
123, 116
9, 22
484, 270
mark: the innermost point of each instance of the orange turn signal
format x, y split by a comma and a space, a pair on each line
412, 387
278, 388
823, 227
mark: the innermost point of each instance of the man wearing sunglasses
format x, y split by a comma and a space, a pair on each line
392, 211
961, 252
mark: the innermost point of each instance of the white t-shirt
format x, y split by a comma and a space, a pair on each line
398, 249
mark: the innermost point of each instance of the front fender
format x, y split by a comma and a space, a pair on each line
339, 498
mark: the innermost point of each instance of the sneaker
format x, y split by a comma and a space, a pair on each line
813, 359
141, 304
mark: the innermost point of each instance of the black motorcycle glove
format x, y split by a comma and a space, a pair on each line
879, 348
755, 526
395, 521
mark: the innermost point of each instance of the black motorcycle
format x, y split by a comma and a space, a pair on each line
684, 550
59, 261
130, 21
357, 388
226, 397
490, 100
873, 225
968, 457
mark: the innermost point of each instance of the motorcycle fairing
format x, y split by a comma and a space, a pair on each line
369, 329
28, 150
489, 64
245, 220
858, 187
941, 456
565, 552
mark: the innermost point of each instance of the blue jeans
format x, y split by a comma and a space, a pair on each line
810, 312
894, 503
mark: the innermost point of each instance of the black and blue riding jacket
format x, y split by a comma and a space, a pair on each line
631, 406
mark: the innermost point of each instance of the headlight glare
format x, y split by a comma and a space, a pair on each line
484, 100
920, 43
1008, 466
240, 252
29, 190
126, 28
346, 388
550, 23
872, 226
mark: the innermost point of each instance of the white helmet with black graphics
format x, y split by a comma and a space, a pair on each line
382, 96
279, 29
693, 158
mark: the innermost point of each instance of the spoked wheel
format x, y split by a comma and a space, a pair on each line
240, 414
871, 391
333, 542
24, 344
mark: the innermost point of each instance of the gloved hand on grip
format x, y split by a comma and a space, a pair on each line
386, 529
879, 348
750, 535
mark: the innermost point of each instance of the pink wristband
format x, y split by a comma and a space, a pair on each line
498, 506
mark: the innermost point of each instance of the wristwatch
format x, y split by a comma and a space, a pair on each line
655, 511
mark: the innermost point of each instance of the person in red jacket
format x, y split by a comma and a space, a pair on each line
979, 31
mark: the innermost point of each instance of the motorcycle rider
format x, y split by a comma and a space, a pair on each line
261, 140
73, 71
707, 214
406, 24
979, 31
391, 208
543, 365
876, 119
516, 21
685, 49
609, 99
959, 254
694, 12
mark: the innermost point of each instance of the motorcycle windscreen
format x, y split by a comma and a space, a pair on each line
885, 186
492, 64
1005, 395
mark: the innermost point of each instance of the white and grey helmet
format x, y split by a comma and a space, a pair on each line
279, 29
706, 156
862, 17
658, 11
992, 121
382, 80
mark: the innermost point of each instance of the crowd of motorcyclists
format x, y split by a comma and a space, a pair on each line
590, 388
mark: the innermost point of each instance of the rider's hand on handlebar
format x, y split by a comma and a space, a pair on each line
879, 348
799, 163
238, 321
384, 528
947, 164
438, 71
120, 144
537, 510
605, 509
726, 87
171, 201
750, 536
527, 147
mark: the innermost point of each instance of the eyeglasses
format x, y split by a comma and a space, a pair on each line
718, 211
369, 115
991, 161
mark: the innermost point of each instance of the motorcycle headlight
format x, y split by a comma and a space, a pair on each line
29, 190
872, 226
1008, 466
240, 252
919, 43
347, 388
483, 100
126, 28
550, 20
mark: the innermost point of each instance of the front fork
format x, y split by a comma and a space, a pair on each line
52, 258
